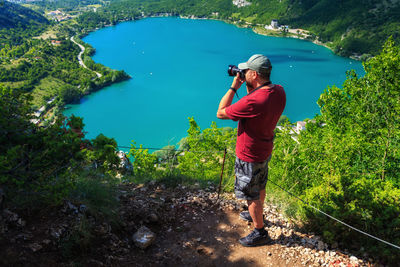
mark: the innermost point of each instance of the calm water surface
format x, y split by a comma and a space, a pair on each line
179, 70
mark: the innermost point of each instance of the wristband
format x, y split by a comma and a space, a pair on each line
233, 89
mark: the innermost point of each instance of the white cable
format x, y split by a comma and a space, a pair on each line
381, 240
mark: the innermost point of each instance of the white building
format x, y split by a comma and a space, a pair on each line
241, 3
300, 126
274, 24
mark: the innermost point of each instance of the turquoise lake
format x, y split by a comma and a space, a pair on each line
179, 70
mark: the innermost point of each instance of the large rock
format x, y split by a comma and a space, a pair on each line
144, 237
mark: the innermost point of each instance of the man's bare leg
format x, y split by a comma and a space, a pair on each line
259, 236
256, 208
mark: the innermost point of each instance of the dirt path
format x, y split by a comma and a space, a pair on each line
207, 235
191, 227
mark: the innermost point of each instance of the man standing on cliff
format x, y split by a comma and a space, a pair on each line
258, 113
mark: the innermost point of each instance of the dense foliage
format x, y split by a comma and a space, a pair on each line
18, 23
199, 157
13, 16
347, 161
355, 26
44, 164
53, 71
206, 151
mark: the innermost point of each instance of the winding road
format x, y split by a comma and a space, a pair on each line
80, 57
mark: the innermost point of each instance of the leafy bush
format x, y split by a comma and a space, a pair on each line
206, 152
34, 160
101, 153
199, 158
346, 162
43, 164
143, 162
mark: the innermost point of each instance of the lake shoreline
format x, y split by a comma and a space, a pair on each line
276, 33
235, 23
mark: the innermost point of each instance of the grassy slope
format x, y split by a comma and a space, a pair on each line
47, 88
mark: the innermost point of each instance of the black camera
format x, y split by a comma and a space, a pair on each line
233, 70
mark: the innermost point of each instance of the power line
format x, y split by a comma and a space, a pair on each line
178, 150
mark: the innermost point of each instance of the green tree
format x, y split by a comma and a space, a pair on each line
206, 151
143, 162
34, 161
102, 153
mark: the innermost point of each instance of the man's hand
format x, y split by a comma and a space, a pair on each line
226, 100
237, 82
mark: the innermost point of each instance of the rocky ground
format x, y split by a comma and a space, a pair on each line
158, 226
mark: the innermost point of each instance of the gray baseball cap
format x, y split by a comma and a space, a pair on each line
259, 63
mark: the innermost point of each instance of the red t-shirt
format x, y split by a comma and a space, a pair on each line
258, 114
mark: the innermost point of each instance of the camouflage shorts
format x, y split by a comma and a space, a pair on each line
251, 178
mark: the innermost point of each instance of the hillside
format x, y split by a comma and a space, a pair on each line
18, 23
49, 69
17, 16
355, 26
348, 27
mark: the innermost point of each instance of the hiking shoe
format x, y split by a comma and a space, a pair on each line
245, 215
255, 238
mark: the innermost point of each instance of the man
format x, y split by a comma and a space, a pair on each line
257, 113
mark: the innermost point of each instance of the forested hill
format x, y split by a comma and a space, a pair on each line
352, 25
18, 23
17, 16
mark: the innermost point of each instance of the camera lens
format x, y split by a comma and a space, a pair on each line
233, 71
